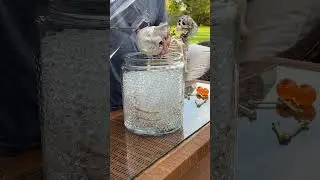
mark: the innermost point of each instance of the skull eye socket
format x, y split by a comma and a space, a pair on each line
161, 43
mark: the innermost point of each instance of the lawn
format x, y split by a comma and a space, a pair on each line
202, 35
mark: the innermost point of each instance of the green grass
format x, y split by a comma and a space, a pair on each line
202, 35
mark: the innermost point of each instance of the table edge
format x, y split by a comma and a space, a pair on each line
181, 159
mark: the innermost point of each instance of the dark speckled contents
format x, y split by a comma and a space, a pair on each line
75, 90
75, 96
224, 88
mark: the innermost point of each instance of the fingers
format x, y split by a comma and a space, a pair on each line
166, 45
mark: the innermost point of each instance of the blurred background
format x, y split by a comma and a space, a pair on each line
199, 10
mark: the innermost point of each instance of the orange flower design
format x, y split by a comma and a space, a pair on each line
302, 96
202, 93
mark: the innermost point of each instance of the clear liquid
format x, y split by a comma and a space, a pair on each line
153, 100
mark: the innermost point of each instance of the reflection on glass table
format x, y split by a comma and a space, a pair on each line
131, 154
282, 140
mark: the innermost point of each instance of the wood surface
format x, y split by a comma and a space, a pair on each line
199, 172
23, 166
182, 159
130, 153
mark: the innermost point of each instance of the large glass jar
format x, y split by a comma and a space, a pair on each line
153, 93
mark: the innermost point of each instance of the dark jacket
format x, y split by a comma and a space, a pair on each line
158, 15
19, 54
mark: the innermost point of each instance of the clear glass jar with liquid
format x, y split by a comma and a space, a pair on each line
153, 93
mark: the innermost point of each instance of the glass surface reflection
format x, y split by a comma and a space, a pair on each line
261, 155
130, 154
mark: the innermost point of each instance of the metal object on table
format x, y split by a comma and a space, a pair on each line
248, 112
256, 83
285, 138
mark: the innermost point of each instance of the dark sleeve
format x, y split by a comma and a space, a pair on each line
30, 8
162, 13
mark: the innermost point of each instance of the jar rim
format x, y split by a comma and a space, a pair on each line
132, 55
139, 60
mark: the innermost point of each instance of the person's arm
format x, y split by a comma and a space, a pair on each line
162, 13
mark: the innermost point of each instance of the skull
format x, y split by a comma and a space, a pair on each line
187, 26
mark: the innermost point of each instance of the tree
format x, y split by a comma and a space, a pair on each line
199, 10
173, 6
173, 9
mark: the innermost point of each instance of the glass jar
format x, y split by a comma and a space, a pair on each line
153, 93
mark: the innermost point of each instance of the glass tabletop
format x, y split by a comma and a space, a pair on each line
260, 154
131, 154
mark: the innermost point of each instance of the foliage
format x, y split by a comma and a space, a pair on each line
202, 36
174, 10
199, 10
173, 31
173, 6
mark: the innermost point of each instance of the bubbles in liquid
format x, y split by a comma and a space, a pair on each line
153, 100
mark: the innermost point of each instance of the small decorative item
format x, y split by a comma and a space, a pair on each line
304, 118
307, 115
298, 96
185, 28
294, 101
202, 95
285, 138
200, 102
